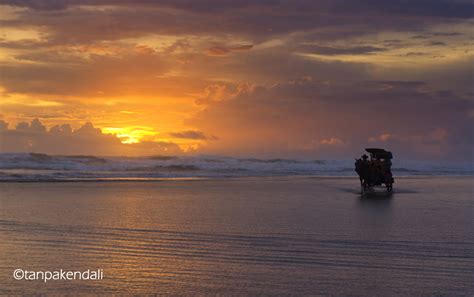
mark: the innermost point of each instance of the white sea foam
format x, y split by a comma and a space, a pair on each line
41, 167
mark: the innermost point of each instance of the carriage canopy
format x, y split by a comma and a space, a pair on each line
378, 153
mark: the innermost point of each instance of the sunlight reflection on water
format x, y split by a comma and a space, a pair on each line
241, 236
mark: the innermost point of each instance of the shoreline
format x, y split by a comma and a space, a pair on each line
223, 178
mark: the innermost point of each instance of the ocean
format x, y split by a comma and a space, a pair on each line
232, 227
42, 167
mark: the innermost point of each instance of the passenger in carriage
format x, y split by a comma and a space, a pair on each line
376, 170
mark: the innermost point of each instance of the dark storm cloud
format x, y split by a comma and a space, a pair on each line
224, 50
192, 134
447, 34
426, 124
427, 8
437, 34
256, 20
399, 85
437, 43
21, 44
332, 51
39, 4
278, 64
420, 37
436, 8
415, 54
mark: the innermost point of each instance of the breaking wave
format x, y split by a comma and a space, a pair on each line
42, 167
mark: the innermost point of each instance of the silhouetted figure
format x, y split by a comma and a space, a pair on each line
387, 168
362, 169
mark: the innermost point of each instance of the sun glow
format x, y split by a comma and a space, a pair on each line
133, 134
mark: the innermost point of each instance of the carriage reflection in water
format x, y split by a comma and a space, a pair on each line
376, 172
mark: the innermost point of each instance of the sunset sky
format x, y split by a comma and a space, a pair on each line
309, 79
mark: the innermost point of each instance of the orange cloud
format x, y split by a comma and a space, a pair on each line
223, 50
86, 140
332, 141
383, 137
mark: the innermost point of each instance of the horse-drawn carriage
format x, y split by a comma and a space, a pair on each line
376, 172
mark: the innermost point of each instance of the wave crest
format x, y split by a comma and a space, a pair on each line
35, 166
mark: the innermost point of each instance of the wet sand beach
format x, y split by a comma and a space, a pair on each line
241, 236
